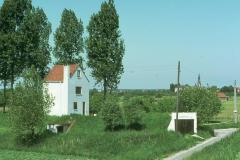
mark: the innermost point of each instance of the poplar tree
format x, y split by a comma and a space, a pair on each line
12, 14
105, 48
68, 39
5, 41
24, 39
35, 32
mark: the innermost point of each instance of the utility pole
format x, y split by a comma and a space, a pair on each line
178, 85
235, 103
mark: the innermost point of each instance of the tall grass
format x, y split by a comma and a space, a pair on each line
22, 155
89, 139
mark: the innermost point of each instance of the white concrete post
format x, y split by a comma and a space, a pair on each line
235, 103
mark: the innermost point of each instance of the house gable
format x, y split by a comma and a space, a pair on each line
82, 74
56, 74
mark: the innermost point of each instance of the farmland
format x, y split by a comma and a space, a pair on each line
227, 113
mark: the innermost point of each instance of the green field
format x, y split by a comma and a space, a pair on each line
89, 139
227, 113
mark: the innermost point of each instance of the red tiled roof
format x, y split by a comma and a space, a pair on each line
56, 73
221, 95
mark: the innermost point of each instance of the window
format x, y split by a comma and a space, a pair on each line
78, 74
78, 90
75, 106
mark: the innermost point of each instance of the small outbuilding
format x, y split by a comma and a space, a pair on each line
187, 122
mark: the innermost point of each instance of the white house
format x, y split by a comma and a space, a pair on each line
69, 87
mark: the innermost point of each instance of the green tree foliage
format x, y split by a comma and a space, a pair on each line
134, 114
30, 105
68, 39
201, 100
213, 88
95, 102
227, 89
144, 103
36, 30
112, 115
12, 14
166, 104
105, 48
24, 33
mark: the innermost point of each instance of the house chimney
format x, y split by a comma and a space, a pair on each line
66, 73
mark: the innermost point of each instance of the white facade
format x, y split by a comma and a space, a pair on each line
185, 116
66, 101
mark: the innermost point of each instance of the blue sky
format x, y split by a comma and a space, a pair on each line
204, 35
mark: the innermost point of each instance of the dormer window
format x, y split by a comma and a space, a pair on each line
78, 73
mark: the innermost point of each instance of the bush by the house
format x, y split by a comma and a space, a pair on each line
134, 115
201, 100
30, 105
112, 115
96, 102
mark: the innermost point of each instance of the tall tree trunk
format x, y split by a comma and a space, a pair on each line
4, 95
104, 89
12, 78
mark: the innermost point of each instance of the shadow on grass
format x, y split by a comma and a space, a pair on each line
29, 140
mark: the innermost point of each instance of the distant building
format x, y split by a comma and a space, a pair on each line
69, 87
180, 88
222, 96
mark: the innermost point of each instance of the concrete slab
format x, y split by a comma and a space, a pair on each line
219, 135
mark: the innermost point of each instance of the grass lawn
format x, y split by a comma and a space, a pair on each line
227, 149
22, 155
88, 139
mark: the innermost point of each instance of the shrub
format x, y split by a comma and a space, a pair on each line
96, 102
166, 104
143, 102
29, 109
134, 115
201, 100
112, 115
